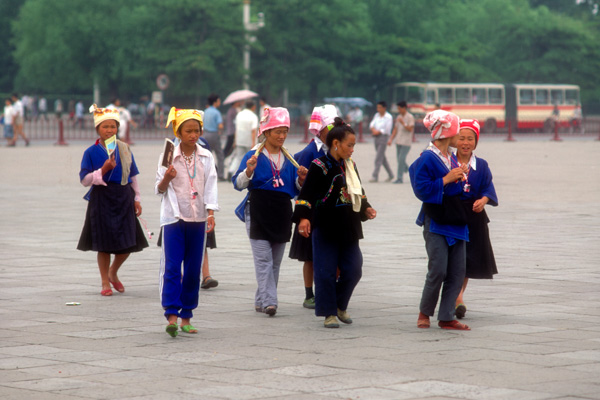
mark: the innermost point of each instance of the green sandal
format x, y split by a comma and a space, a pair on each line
172, 330
189, 329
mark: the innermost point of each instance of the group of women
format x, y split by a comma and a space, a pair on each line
330, 206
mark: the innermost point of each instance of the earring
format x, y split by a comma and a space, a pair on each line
335, 148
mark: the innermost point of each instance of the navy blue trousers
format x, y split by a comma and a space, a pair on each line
183, 243
328, 255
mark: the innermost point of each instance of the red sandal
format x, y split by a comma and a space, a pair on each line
453, 325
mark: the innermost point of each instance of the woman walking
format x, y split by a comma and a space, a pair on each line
189, 199
437, 184
330, 207
321, 122
111, 226
272, 178
478, 190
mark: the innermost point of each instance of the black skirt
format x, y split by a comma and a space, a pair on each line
271, 216
110, 222
301, 247
481, 263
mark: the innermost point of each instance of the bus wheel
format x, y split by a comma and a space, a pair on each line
490, 125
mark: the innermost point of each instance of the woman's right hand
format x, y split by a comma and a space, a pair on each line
251, 166
170, 173
304, 227
455, 174
109, 164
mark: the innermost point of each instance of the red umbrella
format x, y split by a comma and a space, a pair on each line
239, 95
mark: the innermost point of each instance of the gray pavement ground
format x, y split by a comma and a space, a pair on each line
535, 328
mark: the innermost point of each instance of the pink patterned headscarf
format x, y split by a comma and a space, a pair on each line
321, 117
442, 124
274, 118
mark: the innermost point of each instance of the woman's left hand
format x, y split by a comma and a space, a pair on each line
302, 172
479, 204
210, 223
138, 208
371, 213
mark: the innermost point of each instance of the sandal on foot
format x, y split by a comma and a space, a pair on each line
453, 325
188, 329
423, 321
118, 286
172, 330
106, 292
208, 282
460, 311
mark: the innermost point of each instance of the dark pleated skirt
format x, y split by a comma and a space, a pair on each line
110, 222
481, 263
301, 247
211, 239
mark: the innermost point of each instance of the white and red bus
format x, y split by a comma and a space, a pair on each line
527, 106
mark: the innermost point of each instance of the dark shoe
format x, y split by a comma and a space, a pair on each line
398, 181
309, 303
209, 282
331, 322
344, 316
258, 309
460, 311
271, 311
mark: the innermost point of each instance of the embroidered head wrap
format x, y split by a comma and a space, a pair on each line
442, 124
321, 117
179, 116
274, 118
103, 114
471, 124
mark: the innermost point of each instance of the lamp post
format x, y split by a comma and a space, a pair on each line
249, 38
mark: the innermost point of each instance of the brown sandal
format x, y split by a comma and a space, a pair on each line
423, 321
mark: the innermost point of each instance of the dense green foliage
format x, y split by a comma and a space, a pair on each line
310, 48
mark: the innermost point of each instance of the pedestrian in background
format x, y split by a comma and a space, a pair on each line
436, 182
230, 127
18, 120
213, 126
403, 132
381, 128
246, 129
7, 119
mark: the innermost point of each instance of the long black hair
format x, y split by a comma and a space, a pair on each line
339, 131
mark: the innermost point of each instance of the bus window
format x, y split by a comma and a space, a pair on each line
445, 95
526, 96
541, 96
413, 94
463, 96
431, 97
572, 96
479, 96
557, 96
496, 96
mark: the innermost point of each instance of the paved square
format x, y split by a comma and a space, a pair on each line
535, 327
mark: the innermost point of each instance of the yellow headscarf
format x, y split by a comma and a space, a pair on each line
179, 116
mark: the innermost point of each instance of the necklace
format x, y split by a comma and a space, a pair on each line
277, 181
190, 158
